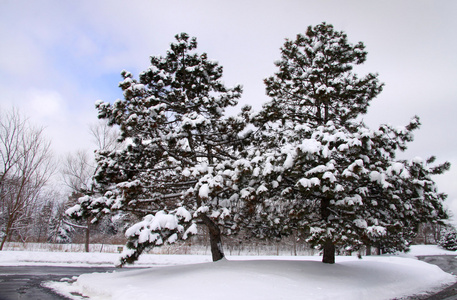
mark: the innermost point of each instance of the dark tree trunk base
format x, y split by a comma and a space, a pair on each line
214, 238
329, 253
87, 241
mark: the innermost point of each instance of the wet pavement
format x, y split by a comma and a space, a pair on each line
24, 282
447, 263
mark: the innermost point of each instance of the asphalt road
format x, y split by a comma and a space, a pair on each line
447, 263
24, 283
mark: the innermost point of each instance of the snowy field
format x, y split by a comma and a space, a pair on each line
245, 277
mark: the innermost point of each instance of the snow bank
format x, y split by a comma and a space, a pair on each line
78, 259
82, 259
422, 250
245, 277
350, 278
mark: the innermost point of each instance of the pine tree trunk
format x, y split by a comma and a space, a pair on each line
329, 253
294, 236
329, 247
368, 250
214, 238
87, 236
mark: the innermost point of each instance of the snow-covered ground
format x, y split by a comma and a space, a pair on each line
246, 277
82, 259
421, 250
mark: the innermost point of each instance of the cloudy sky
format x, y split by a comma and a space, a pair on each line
58, 57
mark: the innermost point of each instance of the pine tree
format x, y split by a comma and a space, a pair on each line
315, 169
448, 240
314, 83
177, 168
408, 198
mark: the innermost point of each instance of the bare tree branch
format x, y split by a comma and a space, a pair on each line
26, 165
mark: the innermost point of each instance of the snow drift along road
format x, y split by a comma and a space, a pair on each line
350, 278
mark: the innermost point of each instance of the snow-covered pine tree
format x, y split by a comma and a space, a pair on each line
314, 169
314, 82
60, 232
177, 168
448, 240
403, 197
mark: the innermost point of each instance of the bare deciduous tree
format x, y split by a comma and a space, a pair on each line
25, 166
78, 168
105, 137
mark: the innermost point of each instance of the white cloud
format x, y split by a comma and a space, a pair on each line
18, 54
45, 103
